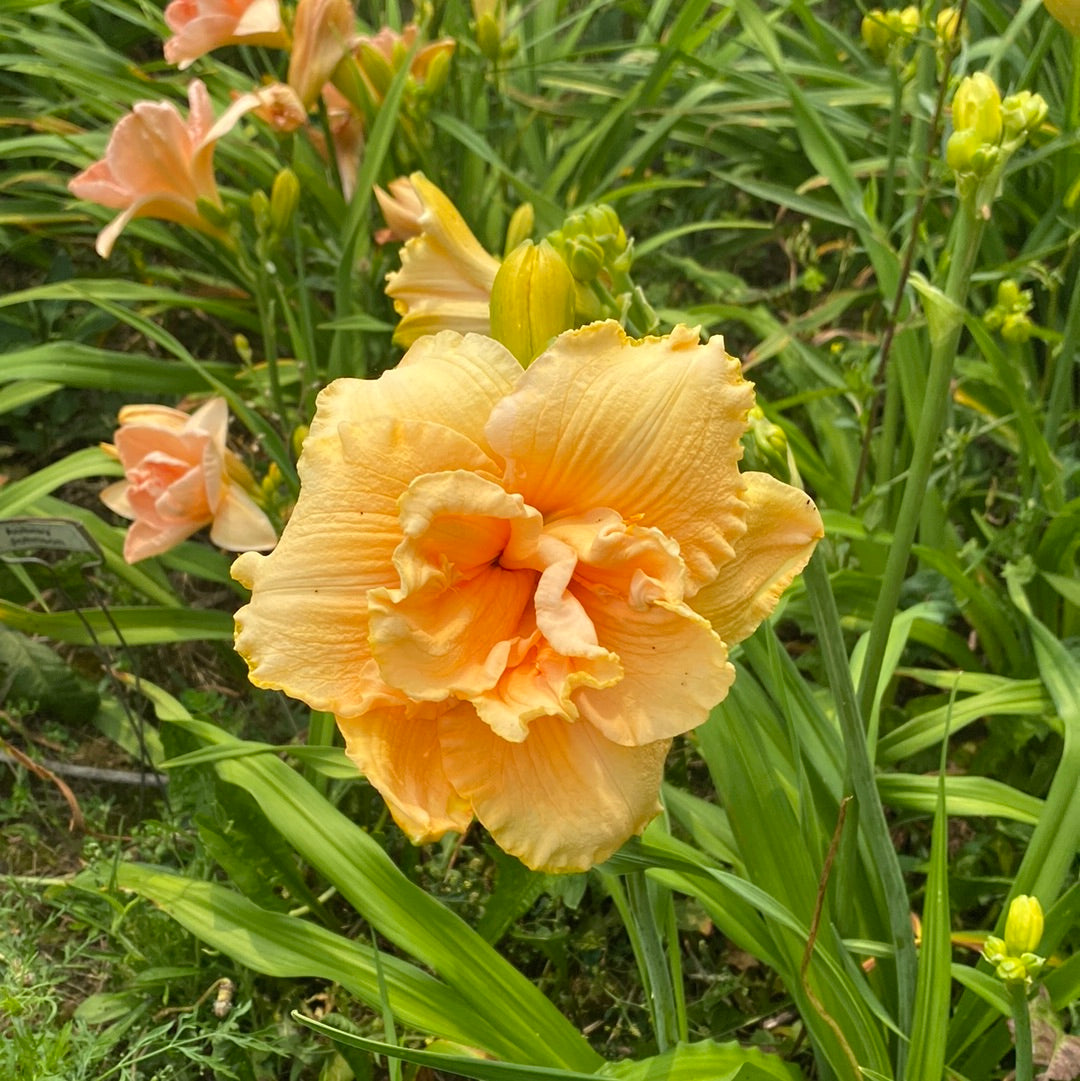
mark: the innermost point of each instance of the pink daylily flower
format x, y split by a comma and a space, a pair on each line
156, 165
200, 26
179, 477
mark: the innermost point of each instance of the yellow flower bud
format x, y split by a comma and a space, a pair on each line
284, 196
520, 227
532, 300
875, 34
1023, 926
948, 25
977, 107
1022, 113
1067, 12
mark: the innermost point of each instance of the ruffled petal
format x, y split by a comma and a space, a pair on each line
650, 429
782, 528
448, 379
675, 670
145, 538
397, 748
306, 628
450, 627
563, 799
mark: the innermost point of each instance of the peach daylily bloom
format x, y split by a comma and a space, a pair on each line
501, 581
322, 36
446, 275
156, 165
179, 477
200, 26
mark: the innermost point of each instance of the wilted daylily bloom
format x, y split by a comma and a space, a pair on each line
401, 207
446, 275
514, 587
200, 26
156, 166
179, 477
322, 36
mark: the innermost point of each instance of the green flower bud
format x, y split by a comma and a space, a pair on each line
977, 107
438, 71
532, 300
1023, 926
375, 67
489, 37
1022, 113
1016, 328
284, 196
260, 208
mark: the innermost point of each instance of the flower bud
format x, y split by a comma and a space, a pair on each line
284, 196
1067, 12
875, 34
1022, 113
1023, 926
260, 208
976, 107
532, 300
948, 25
520, 227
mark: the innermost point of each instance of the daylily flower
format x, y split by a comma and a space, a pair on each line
322, 35
156, 165
179, 477
199, 26
514, 587
446, 275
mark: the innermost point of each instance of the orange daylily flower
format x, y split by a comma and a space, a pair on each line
501, 581
179, 477
156, 165
446, 275
200, 26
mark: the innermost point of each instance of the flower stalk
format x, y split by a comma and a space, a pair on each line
945, 313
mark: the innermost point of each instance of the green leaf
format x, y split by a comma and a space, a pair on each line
142, 626
31, 674
524, 1023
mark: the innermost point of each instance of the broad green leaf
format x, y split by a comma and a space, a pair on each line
33, 676
528, 1024
281, 945
88, 462
967, 796
141, 626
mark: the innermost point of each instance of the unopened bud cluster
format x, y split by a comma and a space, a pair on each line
1009, 316
987, 130
1013, 957
593, 241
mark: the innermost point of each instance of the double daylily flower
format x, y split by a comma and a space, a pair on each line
513, 588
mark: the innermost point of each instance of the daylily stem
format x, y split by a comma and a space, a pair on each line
1022, 1021
964, 248
657, 975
